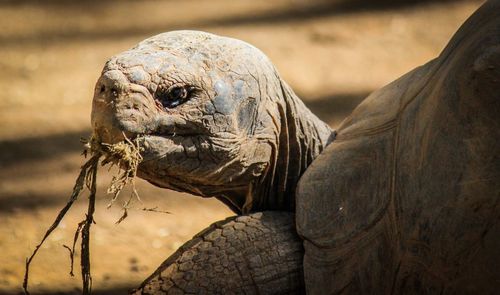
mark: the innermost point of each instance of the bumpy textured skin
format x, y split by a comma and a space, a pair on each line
406, 199
242, 136
252, 254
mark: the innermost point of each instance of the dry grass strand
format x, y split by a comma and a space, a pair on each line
126, 155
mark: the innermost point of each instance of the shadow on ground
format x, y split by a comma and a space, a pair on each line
19, 151
299, 11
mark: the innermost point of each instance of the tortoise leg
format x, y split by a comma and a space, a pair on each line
259, 253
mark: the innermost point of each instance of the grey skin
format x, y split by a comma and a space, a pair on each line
402, 199
241, 136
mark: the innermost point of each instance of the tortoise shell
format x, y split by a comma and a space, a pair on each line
406, 198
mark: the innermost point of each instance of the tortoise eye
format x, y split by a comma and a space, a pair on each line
174, 96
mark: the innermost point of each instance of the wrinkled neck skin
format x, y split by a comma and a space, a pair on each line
300, 138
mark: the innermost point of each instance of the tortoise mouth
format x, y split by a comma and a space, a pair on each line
172, 134
157, 146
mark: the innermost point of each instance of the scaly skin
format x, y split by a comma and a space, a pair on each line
241, 135
253, 254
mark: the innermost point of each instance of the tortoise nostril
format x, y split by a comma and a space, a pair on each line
112, 83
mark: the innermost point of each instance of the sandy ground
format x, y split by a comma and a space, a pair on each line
331, 53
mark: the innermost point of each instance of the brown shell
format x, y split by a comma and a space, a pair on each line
406, 198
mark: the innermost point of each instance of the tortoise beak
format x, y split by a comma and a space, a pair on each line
121, 108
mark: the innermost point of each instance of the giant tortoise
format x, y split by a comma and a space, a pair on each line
402, 198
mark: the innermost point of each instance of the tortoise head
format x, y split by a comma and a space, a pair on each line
205, 108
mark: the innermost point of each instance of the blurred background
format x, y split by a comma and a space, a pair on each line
332, 53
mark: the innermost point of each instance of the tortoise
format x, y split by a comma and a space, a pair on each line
401, 198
